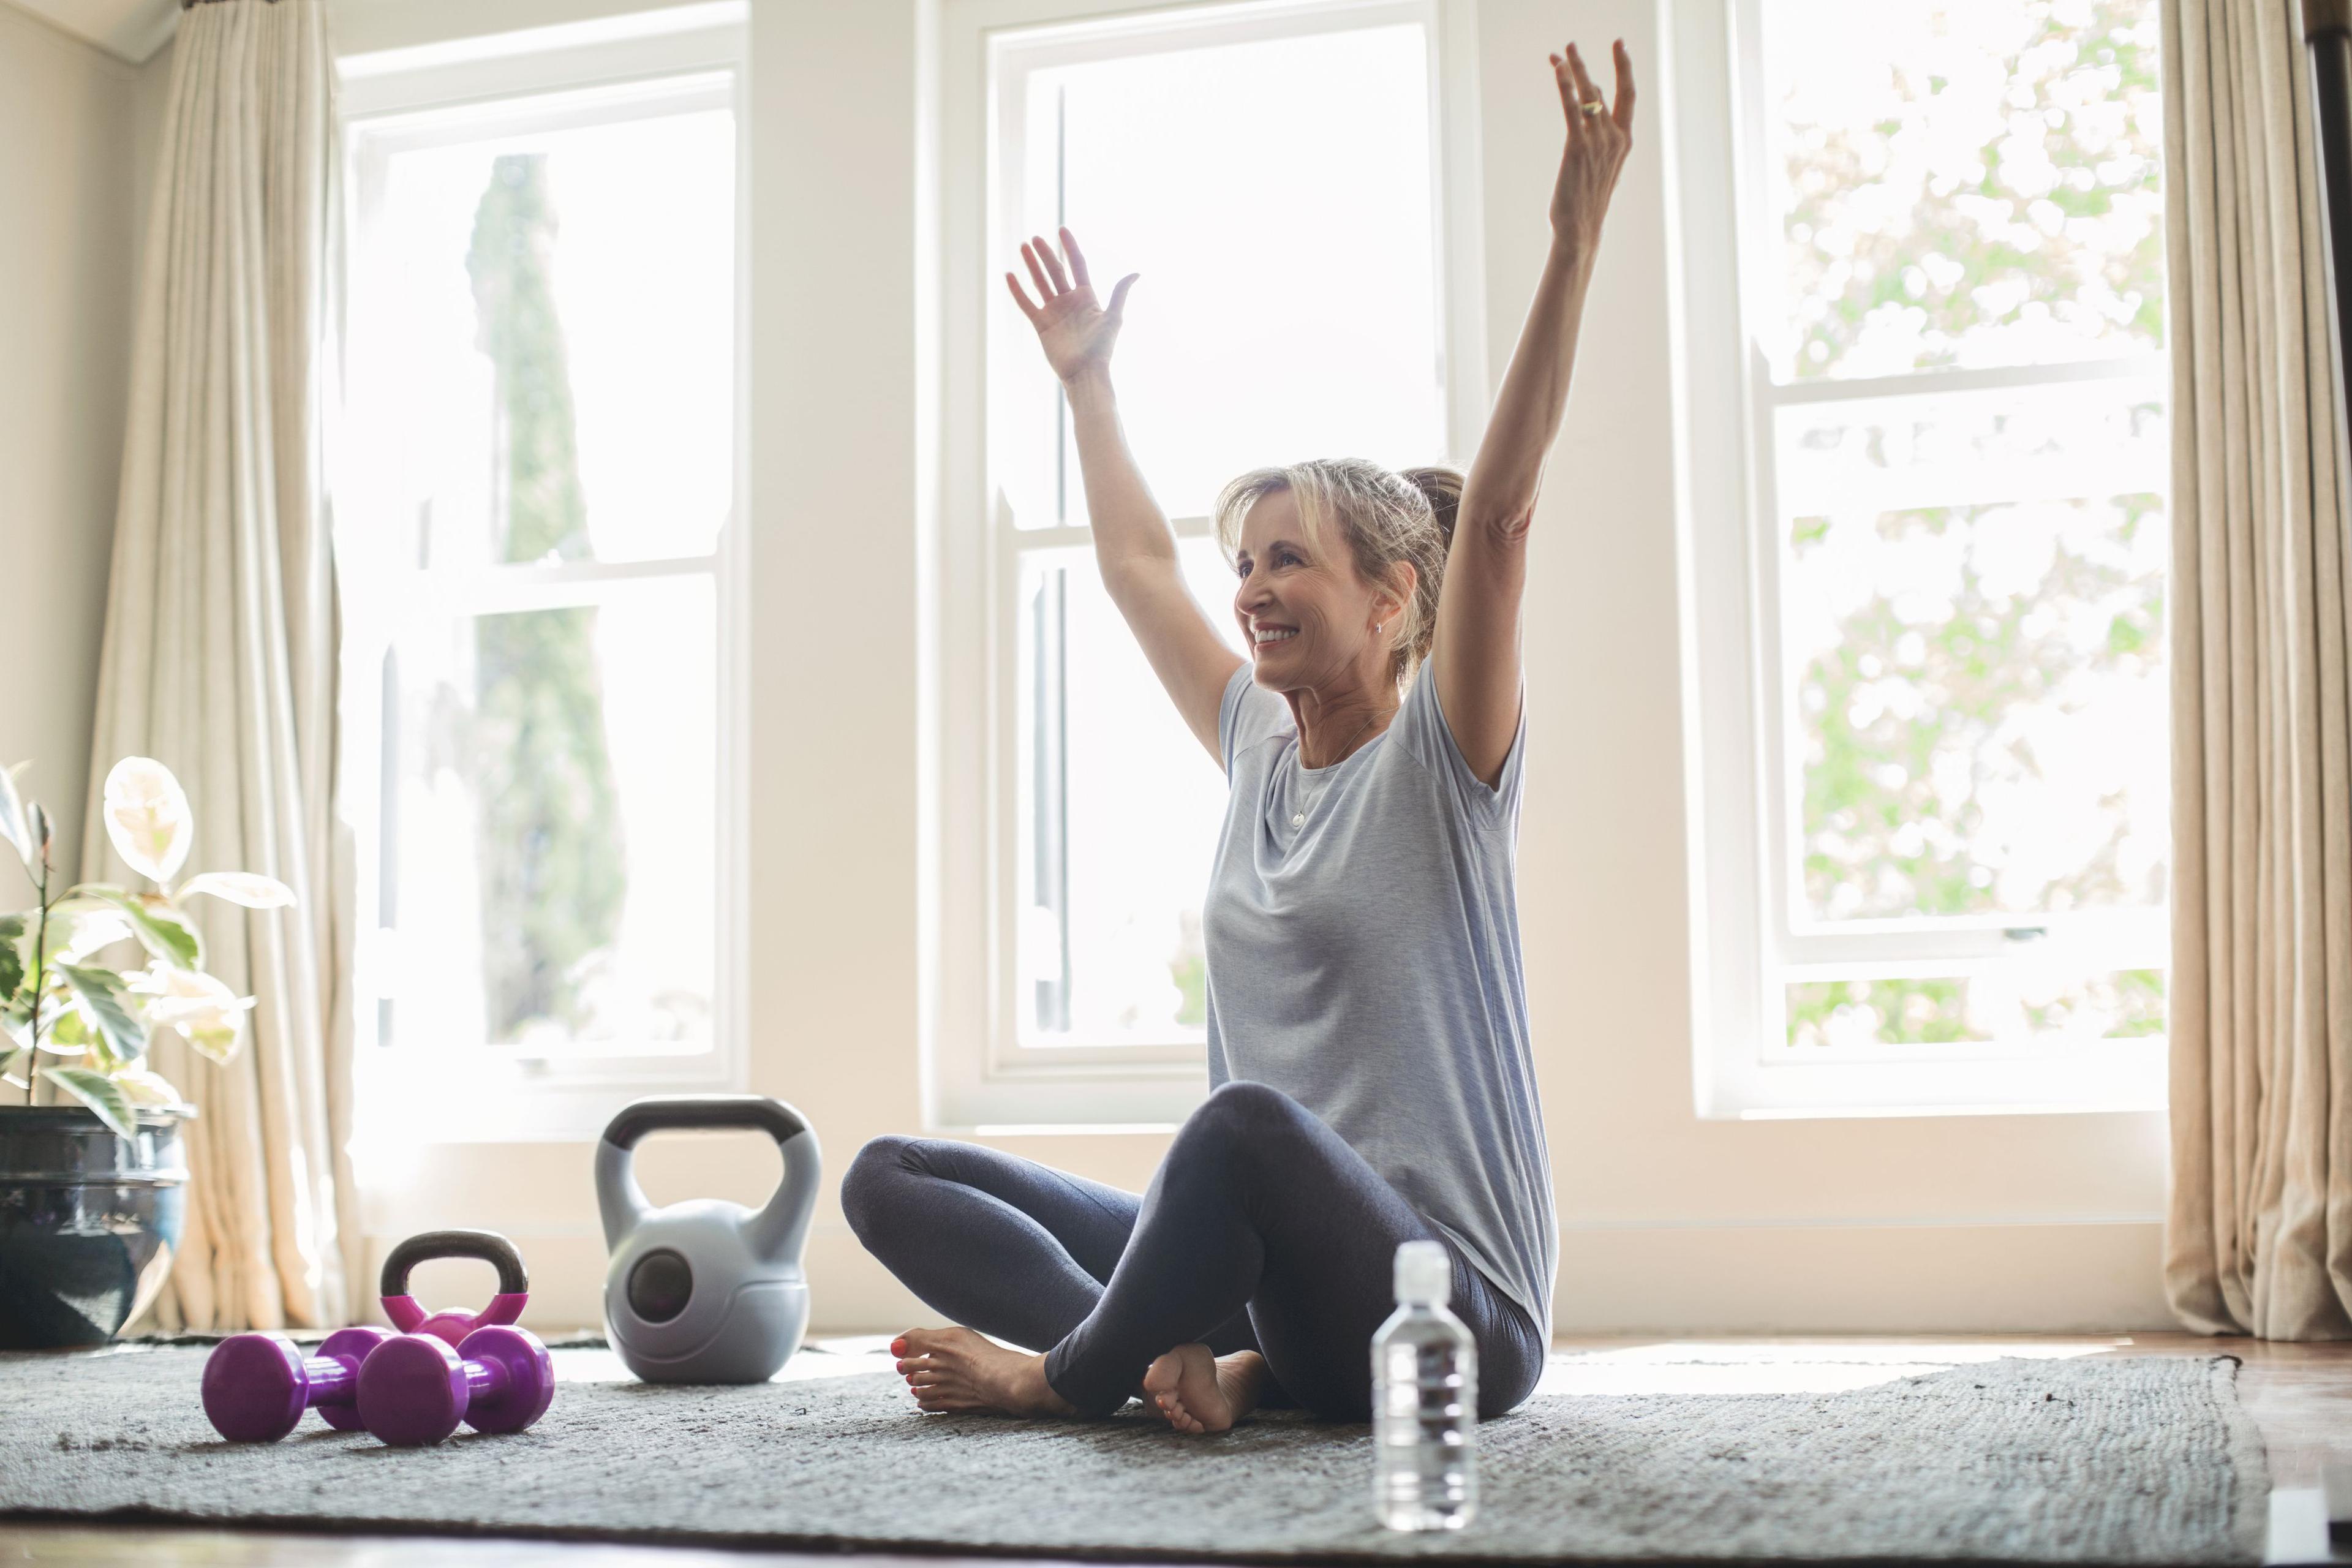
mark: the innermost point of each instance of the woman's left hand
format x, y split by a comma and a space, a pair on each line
1599, 136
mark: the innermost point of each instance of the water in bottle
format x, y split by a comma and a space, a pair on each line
1424, 1401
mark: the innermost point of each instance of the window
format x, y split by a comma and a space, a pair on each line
1274, 171
535, 536
1929, 609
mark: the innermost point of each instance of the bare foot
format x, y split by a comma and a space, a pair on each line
956, 1369
1200, 1392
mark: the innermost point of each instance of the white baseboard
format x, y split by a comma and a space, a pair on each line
2085, 1277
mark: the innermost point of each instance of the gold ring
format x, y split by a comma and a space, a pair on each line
1590, 107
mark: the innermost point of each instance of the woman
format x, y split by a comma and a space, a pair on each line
1367, 1011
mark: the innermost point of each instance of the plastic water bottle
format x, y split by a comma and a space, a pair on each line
1424, 1401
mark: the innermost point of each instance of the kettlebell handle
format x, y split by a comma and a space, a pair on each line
755, 1112
514, 1280
779, 1230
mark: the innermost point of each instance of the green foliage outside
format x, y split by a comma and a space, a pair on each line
1951, 1011
1969, 184
1190, 970
1190, 973
550, 850
1912, 723
1910, 728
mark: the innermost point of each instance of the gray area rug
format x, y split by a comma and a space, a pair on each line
2090, 1459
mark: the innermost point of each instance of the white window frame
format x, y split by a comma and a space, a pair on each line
977, 1072
1749, 937
593, 72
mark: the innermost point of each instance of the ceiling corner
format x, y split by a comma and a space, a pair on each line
129, 30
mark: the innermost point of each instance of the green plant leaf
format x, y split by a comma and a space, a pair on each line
161, 926
14, 827
98, 1091
145, 1087
68, 1035
82, 928
101, 996
250, 888
12, 964
12, 1069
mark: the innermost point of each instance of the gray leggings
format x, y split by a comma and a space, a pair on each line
1262, 1230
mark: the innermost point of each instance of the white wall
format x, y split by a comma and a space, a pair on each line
66, 221
1669, 1223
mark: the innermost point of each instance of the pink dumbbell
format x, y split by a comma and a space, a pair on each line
257, 1386
414, 1389
455, 1367
451, 1325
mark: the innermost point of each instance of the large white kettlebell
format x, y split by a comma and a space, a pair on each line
705, 1291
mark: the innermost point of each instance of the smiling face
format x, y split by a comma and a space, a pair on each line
1306, 612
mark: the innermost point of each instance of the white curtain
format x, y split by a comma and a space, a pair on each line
219, 655
2260, 1238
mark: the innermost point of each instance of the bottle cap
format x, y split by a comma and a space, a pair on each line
1424, 1274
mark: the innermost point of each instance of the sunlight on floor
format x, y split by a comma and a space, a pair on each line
1810, 1366
845, 1357
1648, 1366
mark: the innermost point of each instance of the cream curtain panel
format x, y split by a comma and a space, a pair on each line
219, 654
2260, 1238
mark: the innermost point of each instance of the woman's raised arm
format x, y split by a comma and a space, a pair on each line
1477, 642
1134, 546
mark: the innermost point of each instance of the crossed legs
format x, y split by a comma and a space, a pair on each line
1258, 1263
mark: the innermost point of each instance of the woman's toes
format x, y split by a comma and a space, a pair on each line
926, 1341
1162, 1375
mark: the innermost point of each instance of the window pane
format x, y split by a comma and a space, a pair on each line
1110, 945
1276, 198
1964, 183
550, 782
1980, 697
2009, 1004
546, 348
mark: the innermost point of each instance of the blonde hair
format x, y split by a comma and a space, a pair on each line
1382, 518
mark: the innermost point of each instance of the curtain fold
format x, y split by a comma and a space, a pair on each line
2259, 1239
220, 648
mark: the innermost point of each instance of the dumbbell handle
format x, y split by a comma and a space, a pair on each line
328, 1379
485, 1378
417, 1389
257, 1386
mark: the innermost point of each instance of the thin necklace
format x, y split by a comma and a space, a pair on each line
1350, 741
1299, 817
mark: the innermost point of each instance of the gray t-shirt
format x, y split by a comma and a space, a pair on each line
1363, 955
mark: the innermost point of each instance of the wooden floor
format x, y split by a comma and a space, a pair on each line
2300, 1395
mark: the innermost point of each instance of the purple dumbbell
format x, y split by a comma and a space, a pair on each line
414, 1389
257, 1386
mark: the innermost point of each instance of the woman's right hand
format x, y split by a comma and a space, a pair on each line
1076, 332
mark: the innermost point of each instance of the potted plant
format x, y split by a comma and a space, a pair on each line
91, 1161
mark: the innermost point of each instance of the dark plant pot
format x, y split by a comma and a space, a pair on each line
89, 1222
